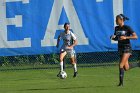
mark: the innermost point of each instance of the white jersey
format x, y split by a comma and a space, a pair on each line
67, 38
68, 41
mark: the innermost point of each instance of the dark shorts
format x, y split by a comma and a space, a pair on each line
124, 48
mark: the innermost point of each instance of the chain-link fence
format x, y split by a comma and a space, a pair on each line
46, 61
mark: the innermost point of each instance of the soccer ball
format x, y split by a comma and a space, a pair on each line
63, 75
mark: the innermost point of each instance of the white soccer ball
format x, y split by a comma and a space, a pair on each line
63, 75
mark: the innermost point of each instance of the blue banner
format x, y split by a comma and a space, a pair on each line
29, 27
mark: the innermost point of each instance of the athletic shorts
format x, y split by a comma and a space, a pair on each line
124, 48
70, 52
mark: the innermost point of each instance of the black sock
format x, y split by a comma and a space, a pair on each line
121, 75
64, 65
133, 65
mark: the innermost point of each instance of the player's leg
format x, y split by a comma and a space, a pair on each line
74, 62
121, 72
62, 55
133, 65
130, 65
64, 64
126, 66
123, 61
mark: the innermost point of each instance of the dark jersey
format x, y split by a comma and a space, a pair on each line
123, 31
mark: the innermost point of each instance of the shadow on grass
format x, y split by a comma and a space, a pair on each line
64, 88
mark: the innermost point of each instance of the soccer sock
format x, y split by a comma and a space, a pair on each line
64, 65
61, 66
75, 67
121, 75
133, 65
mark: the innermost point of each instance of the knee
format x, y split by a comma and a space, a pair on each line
126, 68
121, 65
73, 62
61, 59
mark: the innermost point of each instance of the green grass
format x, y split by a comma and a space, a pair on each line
89, 80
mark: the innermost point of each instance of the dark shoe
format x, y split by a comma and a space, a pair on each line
120, 84
139, 63
75, 74
58, 75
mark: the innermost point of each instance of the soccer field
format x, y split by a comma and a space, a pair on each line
89, 80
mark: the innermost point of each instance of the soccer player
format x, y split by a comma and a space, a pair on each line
123, 34
69, 41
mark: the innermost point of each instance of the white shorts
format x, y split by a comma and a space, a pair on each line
70, 52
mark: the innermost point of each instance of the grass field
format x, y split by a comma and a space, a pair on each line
89, 80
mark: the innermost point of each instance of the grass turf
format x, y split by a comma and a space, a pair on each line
89, 80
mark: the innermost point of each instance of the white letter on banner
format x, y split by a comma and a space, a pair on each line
54, 19
117, 9
99, 0
17, 21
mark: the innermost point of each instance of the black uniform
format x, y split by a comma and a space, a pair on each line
124, 46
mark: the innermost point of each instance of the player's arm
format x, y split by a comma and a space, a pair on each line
75, 42
58, 40
113, 37
133, 36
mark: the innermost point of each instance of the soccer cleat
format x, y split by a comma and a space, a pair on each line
58, 75
120, 84
75, 74
139, 63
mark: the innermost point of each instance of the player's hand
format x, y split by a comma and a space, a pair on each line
123, 38
70, 47
112, 36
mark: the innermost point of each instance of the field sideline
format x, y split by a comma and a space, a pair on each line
89, 80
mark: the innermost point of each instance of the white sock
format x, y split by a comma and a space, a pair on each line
75, 67
61, 66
